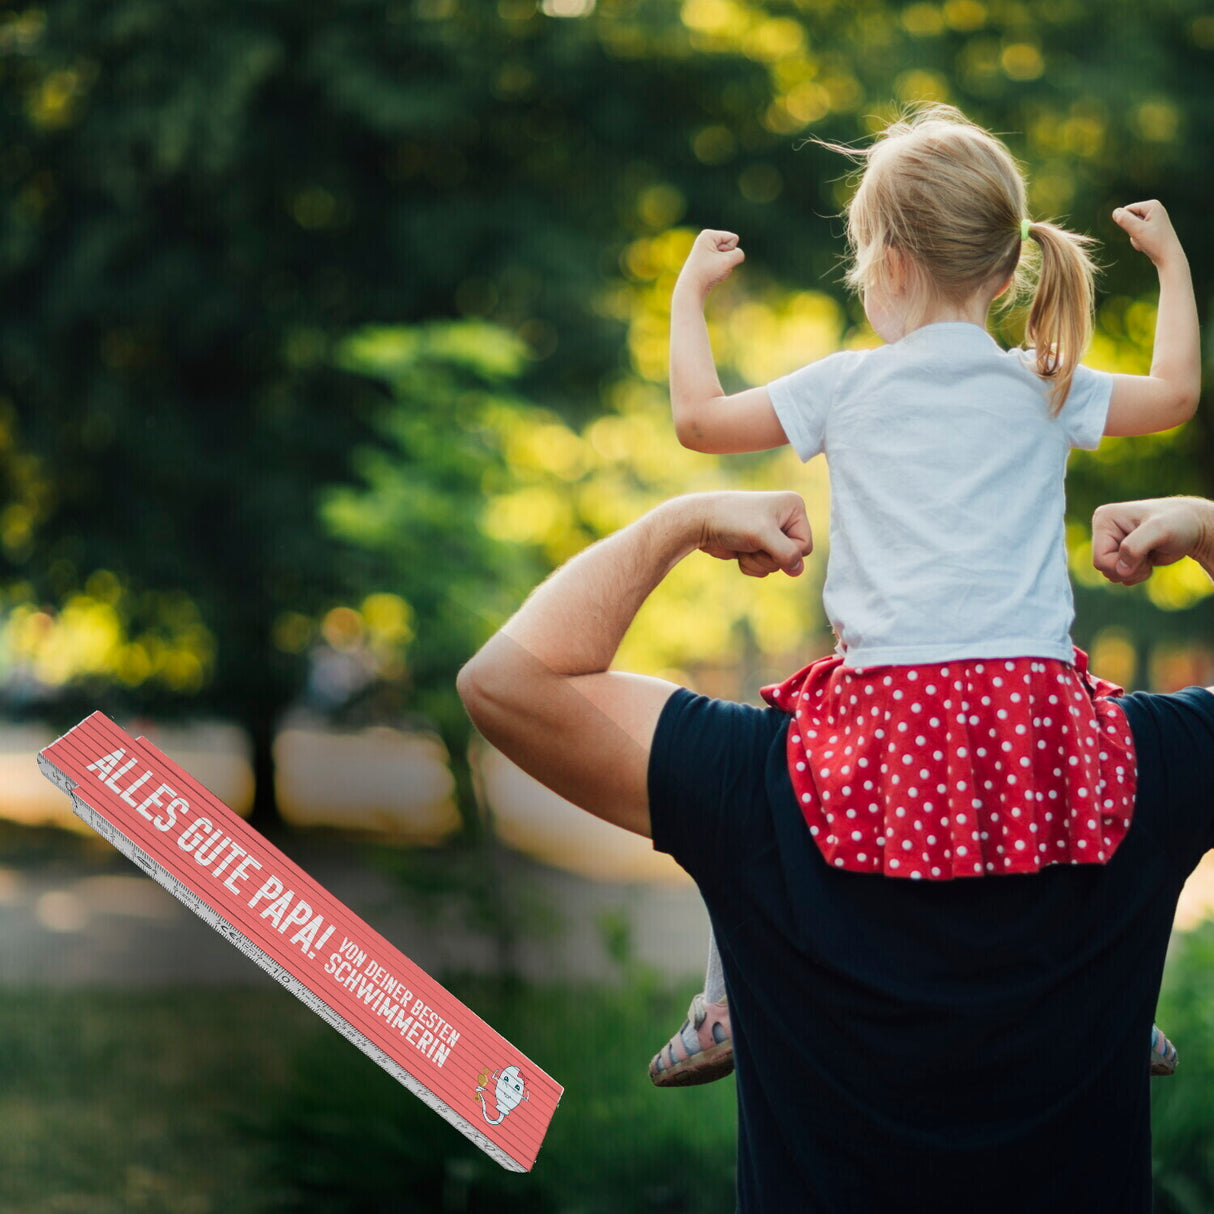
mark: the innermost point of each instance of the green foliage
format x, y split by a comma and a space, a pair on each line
412, 520
132, 1102
1182, 1115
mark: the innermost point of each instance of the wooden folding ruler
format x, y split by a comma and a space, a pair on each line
185, 838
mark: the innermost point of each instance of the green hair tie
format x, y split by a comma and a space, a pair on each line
1025, 224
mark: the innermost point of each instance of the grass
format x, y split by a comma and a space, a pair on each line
240, 1101
116, 1102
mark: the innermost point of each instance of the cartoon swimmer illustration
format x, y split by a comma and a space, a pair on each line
509, 1091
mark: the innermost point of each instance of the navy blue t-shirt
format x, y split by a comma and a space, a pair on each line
970, 1045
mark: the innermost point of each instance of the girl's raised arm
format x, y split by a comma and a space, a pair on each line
1167, 397
705, 419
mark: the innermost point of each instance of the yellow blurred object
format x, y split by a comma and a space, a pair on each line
375, 779
1196, 904
535, 821
1114, 657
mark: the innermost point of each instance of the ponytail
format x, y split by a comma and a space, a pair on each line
1059, 324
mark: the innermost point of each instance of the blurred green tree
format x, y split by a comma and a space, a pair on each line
413, 519
202, 198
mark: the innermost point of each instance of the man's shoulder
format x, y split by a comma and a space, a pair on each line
1155, 714
1174, 749
713, 767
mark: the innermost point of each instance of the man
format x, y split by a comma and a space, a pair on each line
965, 1045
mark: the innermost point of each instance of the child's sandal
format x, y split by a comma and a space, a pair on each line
700, 1052
1163, 1053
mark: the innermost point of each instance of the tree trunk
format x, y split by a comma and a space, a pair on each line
260, 725
482, 837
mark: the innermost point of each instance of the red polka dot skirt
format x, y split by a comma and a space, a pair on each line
959, 769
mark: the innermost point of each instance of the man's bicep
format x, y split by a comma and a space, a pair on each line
609, 721
586, 737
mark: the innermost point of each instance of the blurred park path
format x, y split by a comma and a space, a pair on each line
88, 917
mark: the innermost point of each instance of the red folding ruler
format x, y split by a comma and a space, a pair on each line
185, 838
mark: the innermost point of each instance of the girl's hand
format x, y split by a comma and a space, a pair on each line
711, 260
1150, 230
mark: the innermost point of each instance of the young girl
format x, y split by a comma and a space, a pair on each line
956, 732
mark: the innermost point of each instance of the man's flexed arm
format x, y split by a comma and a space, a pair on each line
540, 690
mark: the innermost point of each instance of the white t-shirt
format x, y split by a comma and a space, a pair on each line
946, 473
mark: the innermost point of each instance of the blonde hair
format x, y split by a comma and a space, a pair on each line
949, 197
